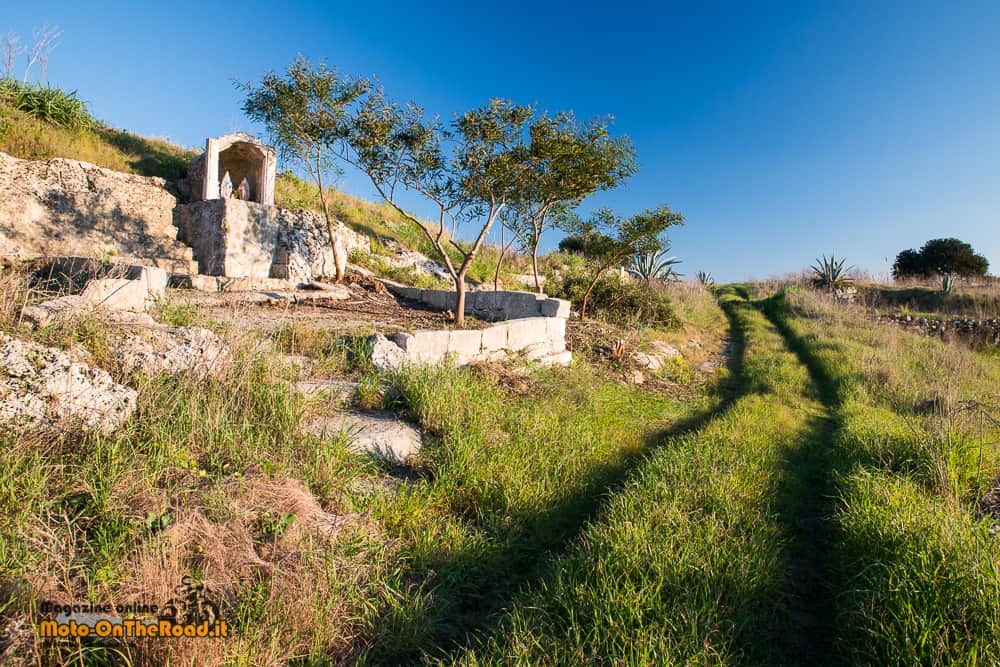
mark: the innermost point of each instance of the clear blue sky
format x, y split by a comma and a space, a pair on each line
781, 131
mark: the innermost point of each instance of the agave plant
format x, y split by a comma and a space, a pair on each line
830, 273
705, 278
654, 266
947, 283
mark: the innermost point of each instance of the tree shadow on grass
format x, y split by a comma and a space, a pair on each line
455, 599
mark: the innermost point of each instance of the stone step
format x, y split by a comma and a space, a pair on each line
378, 434
172, 265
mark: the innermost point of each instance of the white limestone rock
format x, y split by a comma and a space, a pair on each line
385, 354
146, 346
381, 434
41, 387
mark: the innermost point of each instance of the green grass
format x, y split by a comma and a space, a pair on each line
697, 560
918, 575
50, 123
515, 477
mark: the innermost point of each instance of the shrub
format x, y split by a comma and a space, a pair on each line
615, 299
53, 105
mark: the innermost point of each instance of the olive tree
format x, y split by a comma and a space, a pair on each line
608, 240
307, 113
468, 169
568, 160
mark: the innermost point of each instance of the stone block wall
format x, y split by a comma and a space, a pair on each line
531, 325
487, 305
541, 339
237, 238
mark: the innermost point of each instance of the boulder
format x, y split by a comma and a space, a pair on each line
385, 354
136, 295
146, 346
41, 387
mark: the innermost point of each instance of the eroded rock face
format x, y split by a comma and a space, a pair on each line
41, 387
68, 207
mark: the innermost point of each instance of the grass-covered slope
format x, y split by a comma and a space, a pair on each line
702, 558
313, 553
916, 425
38, 123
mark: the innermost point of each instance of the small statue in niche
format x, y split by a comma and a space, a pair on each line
243, 192
226, 187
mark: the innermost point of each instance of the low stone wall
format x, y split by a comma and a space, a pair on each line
237, 238
534, 337
533, 327
487, 305
987, 331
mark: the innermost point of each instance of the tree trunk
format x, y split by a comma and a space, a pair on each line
339, 259
534, 265
586, 295
460, 299
503, 251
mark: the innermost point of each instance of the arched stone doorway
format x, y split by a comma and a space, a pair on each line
243, 157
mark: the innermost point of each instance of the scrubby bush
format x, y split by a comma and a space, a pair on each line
615, 298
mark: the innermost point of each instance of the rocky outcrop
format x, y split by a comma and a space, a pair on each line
380, 434
41, 387
68, 207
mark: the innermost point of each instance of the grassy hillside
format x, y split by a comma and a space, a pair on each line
37, 124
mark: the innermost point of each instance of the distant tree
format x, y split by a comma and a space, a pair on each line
567, 161
307, 112
469, 170
909, 263
940, 257
608, 240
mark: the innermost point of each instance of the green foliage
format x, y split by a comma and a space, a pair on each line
47, 122
52, 105
940, 257
655, 265
705, 278
305, 111
568, 160
607, 240
830, 274
624, 302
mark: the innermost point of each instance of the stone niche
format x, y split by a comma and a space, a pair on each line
243, 157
